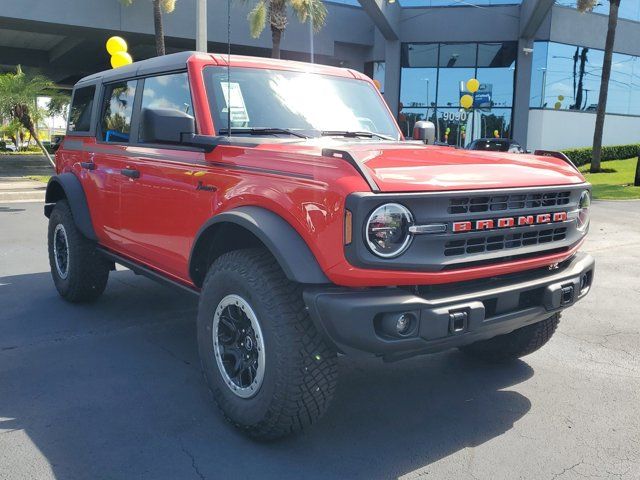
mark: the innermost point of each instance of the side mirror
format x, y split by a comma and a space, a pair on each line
425, 131
166, 125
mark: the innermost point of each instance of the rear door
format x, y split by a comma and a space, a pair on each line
106, 158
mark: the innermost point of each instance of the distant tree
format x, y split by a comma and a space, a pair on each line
19, 94
586, 6
275, 12
159, 6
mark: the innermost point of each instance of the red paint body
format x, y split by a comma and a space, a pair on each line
154, 219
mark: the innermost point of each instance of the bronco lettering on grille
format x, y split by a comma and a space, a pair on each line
508, 222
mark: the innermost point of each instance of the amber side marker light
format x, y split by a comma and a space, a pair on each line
348, 227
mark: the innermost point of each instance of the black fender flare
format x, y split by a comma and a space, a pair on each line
281, 239
67, 185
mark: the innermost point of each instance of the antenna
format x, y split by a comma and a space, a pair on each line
228, 68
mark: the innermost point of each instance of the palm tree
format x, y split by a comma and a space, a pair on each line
159, 6
18, 100
275, 11
614, 5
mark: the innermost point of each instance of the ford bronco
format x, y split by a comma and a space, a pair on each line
285, 196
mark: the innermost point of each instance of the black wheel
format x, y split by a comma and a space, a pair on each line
269, 369
516, 344
79, 272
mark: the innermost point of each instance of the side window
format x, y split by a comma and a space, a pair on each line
117, 110
81, 107
166, 91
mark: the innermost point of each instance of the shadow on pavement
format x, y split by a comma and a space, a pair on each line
114, 390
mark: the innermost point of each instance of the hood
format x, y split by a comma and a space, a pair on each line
414, 167
417, 168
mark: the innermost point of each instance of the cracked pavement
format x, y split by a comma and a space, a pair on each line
114, 389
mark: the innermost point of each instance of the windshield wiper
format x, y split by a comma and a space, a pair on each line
354, 134
263, 131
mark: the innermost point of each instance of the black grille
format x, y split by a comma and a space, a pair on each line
497, 203
490, 243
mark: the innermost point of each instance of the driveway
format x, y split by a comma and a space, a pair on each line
114, 390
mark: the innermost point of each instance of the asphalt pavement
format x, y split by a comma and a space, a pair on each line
113, 390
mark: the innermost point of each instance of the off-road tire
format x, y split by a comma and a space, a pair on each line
516, 344
88, 271
300, 368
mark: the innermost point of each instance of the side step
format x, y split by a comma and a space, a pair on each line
146, 271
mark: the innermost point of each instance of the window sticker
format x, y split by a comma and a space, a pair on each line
239, 115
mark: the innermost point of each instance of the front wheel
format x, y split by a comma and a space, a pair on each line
516, 344
270, 371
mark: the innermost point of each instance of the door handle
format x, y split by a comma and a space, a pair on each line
130, 172
88, 165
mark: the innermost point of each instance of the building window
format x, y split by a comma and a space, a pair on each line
567, 77
434, 76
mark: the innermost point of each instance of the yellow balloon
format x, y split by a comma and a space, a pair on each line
377, 83
466, 101
120, 59
115, 45
557, 105
473, 85
496, 133
561, 97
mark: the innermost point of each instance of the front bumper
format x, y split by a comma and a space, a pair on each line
357, 321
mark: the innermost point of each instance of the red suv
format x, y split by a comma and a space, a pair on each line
284, 195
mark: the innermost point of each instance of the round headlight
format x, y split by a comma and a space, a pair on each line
583, 210
387, 230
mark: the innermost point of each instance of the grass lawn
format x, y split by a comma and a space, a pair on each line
39, 178
615, 182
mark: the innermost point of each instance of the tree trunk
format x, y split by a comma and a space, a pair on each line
276, 37
159, 29
636, 181
34, 135
604, 85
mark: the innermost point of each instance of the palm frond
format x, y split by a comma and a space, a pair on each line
168, 6
257, 19
586, 5
304, 8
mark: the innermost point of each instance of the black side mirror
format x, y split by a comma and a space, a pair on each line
166, 125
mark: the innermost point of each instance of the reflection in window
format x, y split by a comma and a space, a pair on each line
166, 91
457, 3
629, 10
117, 111
567, 77
428, 92
450, 83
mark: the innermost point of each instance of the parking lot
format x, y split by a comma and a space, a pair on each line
114, 389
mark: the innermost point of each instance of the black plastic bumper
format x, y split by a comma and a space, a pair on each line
361, 321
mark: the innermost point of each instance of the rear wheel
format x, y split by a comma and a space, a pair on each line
270, 370
79, 272
516, 344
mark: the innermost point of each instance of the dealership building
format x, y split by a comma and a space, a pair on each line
538, 62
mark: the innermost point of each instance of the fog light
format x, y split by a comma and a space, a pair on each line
397, 325
404, 324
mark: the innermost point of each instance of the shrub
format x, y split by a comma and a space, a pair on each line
581, 156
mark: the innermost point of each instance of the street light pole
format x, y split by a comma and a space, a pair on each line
201, 26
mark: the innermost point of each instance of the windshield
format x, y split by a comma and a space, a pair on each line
491, 145
306, 103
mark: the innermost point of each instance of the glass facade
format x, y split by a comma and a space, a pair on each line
434, 76
456, 3
567, 77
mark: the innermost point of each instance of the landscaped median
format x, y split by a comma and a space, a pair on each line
615, 181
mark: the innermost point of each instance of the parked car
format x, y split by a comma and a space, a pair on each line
496, 145
7, 146
307, 226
